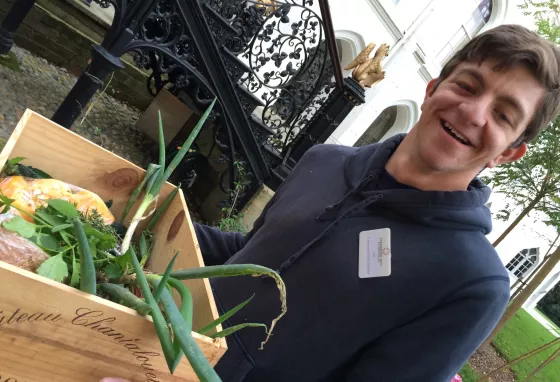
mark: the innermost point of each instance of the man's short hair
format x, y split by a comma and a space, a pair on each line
511, 45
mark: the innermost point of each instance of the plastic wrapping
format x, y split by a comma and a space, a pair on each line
20, 252
30, 194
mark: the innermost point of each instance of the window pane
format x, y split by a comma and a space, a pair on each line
405, 12
459, 36
445, 53
474, 24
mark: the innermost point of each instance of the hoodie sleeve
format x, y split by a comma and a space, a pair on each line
217, 246
435, 346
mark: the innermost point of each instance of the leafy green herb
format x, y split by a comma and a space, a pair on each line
46, 241
66, 237
31, 172
50, 216
6, 202
113, 271
102, 240
54, 268
15, 161
61, 227
65, 208
20, 226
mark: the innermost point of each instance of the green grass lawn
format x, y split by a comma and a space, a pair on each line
468, 374
522, 334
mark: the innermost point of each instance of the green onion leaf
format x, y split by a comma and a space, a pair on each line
161, 141
164, 278
233, 329
87, 267
75, 279
161, 210
224, 317
126, 297
149, 172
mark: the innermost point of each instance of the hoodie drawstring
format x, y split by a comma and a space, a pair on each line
330, 212
358, 206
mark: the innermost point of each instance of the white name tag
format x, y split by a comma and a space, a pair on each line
375, 253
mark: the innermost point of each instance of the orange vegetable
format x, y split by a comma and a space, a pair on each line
30, 194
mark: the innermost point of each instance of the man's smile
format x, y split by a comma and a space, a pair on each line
455, 134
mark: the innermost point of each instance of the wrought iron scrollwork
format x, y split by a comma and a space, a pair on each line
162, 43
291, 69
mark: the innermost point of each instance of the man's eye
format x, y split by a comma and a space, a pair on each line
465, 87
503, 117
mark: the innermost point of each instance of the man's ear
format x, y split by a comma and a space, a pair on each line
510, 155
431, 88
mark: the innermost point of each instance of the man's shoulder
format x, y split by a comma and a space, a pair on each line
478, 258
335, 151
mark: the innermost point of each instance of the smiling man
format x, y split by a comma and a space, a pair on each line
382, 248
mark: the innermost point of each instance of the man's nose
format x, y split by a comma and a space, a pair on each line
475, 112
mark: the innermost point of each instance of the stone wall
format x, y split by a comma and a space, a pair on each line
63, 35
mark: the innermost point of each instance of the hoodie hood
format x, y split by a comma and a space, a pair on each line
462, 210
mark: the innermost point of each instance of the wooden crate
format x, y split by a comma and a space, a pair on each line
52, 332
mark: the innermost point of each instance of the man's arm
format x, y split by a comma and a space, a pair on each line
435, 346
217, 246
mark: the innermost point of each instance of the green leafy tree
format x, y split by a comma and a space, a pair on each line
532, 182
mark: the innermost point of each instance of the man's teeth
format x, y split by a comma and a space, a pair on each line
455, 133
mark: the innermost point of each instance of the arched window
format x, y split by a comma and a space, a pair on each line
379, 127
451, 25
522, 263
392, 120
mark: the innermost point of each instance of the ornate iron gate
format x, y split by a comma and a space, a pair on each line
272, 65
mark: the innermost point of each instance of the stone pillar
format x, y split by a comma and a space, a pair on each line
12, 21
102, 64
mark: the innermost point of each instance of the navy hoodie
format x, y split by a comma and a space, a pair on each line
446, 292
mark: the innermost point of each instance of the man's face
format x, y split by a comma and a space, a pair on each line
472, 118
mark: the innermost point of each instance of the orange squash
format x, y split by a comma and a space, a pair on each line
30, 194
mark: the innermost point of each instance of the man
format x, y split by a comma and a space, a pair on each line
415, 202
388, 272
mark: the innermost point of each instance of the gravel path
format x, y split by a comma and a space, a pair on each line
485, 360
41, 87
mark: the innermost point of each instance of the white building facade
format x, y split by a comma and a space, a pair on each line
422, 35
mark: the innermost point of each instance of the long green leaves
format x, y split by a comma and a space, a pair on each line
238, 270
160, 324
186, 310
87, 268
187, 145
165, 277
206, 328
182, 333
161, 140
152, 168
233, 329
126, 297
156, 181
161, 210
